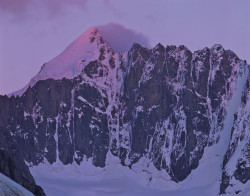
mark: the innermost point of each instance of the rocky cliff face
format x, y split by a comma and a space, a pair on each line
165, 104
236, 163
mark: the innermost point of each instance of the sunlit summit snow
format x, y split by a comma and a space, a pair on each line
71, 61
85, 49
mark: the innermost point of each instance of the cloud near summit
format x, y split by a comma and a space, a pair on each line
121, 38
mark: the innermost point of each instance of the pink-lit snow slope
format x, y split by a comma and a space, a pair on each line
70, 62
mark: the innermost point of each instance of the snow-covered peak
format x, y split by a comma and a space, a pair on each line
217, 49
71, 61
87, 47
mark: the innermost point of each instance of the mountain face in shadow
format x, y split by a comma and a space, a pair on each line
165, 104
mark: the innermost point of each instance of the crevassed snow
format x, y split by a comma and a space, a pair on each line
10, 188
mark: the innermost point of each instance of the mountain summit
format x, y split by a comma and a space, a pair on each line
176, 120
87, 47
71, 61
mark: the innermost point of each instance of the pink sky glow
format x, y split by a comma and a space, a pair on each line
35, 31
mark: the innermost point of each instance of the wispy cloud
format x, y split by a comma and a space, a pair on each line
121, 38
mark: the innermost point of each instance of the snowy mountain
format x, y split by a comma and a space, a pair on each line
236, 163
168, 119
86, 48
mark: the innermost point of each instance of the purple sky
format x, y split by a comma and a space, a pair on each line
34, 31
